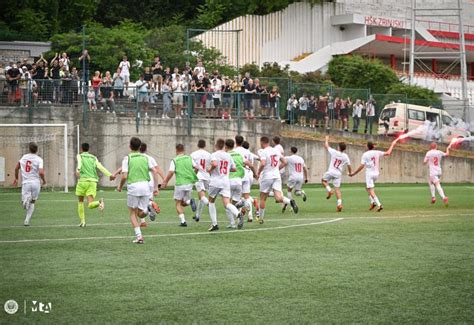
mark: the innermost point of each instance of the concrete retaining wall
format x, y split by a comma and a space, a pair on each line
109, 138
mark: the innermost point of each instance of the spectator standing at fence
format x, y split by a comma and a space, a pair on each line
312, 104
91, 100
124, 66
175, 74
345, 104
157, 71
166, 91
13, 77
65, 89
177, 88
370, 114
256, 98
3, 79
75, 84
147, 75
209, 103
226, 99
199, 68
167, 74
64, 60
118, 84
303, 109
24, 84
337, 113
47, 87
142, 94
250, 92
331, 113
216, 96
85, 60
56, 76
291, 106
106, 98
96, 80
322, 112
356, 115
274, 100
185, 79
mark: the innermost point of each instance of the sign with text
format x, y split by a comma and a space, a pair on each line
384, 22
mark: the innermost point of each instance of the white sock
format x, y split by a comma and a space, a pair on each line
440, 190
371, 199
297, 193
188, 202
250, 204
181, 218
230, 207
339, 202
201, 204
213, 213
376, 200
286, 200
432, 190
230, 216
138, 231
328, 188
289, 195
29, 212
262, 213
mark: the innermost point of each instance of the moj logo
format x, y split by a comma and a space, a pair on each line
41, 307
11, 307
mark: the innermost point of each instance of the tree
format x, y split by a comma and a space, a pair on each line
415, 94
358, 72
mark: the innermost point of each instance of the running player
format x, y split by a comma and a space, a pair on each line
242, 147
334, 173
135, 171
269, 177
297, 174
86, 173
433, 159
370, 160
276, 141
221, 165
32, 173
185, 169
236, 178
202, 159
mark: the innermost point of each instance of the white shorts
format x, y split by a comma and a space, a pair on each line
202, 185
236, 189
370, 180
295, 183
140, 202
435, 178
247, 184
267, 185
126, 78
31, 190
183, 192
223, 191
178, 99
334, 179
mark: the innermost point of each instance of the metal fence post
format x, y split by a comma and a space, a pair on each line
239, 117
190, 113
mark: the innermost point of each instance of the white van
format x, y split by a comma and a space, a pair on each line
397, 118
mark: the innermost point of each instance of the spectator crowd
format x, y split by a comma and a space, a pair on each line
180, 92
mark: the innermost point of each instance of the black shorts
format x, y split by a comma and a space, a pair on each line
320, 115
344, 114
217, 102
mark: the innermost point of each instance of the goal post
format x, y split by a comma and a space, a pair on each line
13, 136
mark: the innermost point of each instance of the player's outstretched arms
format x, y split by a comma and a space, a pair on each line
118, 171
349, 169
357, 170
122, 182
167, 179
389, 151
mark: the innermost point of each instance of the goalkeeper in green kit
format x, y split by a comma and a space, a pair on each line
86, 173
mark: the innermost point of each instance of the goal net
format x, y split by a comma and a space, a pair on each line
52, 141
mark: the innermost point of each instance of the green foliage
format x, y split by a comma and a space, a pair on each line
251, 68
210, 14
34, 23
358, 72
416, 95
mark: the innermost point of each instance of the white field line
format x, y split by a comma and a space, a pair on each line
170, 235
158, 223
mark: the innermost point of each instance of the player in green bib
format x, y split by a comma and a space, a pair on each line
185, 169
86, 172
235, 179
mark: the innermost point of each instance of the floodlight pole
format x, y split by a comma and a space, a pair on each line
411, 72
462, 60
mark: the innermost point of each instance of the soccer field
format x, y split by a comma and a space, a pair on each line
412, 262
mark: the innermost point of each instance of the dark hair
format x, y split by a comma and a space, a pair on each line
180, 147
135, 143
264, 140
370, 145
229, 143
220, 144
239, 140
85, 147
202, 144
245, 144
294, 149
143, 147
33, 147
276, 140
342, 146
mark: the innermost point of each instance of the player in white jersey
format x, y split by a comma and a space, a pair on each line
297, 175
268, 174
32, 173
370, 160
433, 159
202, 159
339, 159
249, 172
221, 165
277, 145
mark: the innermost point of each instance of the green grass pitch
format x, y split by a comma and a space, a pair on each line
411, 263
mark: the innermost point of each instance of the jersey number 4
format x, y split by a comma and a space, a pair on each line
202, 162
28, 166
223, 168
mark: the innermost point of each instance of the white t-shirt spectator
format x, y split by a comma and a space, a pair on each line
125, 66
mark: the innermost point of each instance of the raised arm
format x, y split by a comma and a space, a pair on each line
357, 170
389, 151
326, 142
